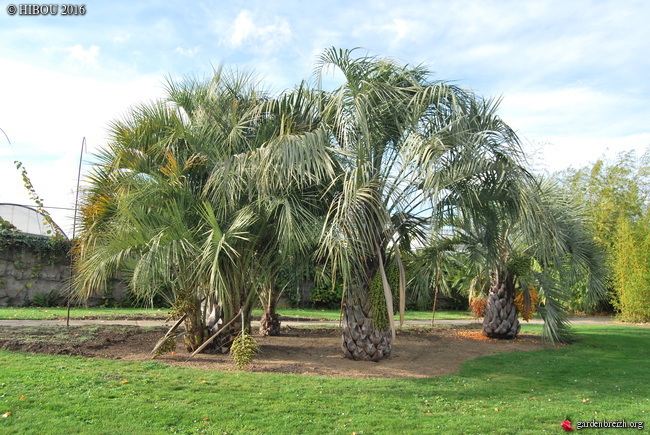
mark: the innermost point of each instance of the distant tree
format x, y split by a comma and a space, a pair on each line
631, 266
616, 195
611, 190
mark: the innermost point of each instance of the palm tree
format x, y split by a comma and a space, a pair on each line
144, 214
560, 256
198, 196
546, 249
282, 180
410, 148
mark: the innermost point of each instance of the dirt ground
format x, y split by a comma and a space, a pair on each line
417, 352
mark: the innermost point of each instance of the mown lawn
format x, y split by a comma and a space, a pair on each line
57, 313
606, 375
53, 313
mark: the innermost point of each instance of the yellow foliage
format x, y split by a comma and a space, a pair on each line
526, 302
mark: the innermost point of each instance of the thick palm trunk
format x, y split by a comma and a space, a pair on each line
362, 341
501, 313
202, 320
270, 322
196, 332
203, 324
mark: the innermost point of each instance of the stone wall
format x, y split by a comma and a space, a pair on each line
32, 278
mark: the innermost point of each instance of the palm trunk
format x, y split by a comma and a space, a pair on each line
362, 341
367, 334
501, 314
196, 331
270, 322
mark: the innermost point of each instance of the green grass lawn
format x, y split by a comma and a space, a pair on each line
36, 313
606, 375
316, 314
54, 313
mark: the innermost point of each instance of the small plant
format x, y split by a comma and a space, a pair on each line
243, 349
326, 296
168, 345
6, 225
38, 200
50, 299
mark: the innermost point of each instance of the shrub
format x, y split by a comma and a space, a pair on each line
326, 297
50, 299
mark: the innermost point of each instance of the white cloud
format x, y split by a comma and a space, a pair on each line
78, 57
580, 110
555, 153
400, 28
189, 52
121, 38
262, 38
88, 57
574, 126
242, 28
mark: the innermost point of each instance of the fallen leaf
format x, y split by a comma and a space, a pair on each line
206, 419
586, 400
23, 397
124, 382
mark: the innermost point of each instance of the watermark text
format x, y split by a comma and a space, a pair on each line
46, 9
622, 424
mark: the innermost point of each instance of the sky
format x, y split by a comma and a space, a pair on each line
572, 75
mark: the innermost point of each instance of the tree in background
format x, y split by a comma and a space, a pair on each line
616, 195
631, 267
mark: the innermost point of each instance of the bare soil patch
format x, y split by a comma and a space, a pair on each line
417, 352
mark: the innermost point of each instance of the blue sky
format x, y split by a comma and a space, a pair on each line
573, 74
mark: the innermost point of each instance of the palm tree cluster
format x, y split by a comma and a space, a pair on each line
205, 196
